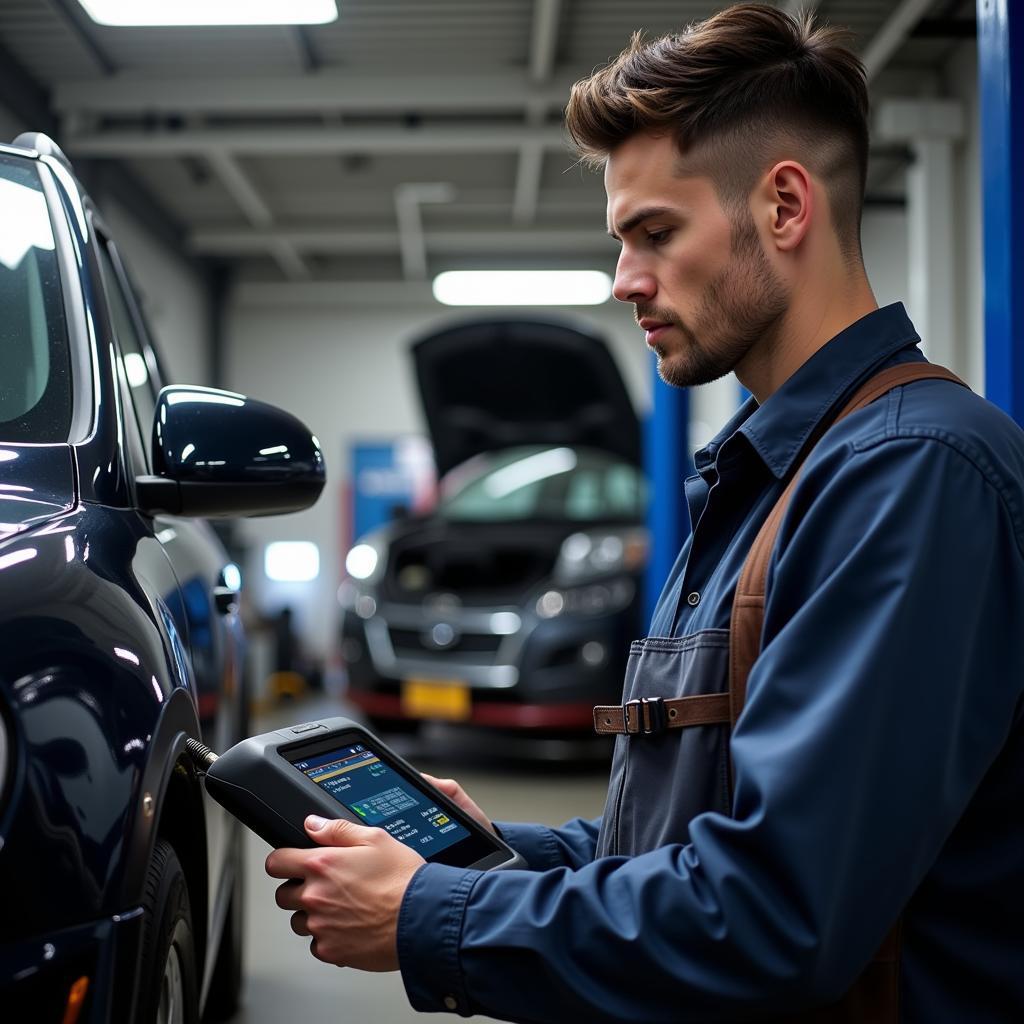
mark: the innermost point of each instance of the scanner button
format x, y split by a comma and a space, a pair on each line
308, 727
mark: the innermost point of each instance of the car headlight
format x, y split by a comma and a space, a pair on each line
365, 561
595, 599
596, 553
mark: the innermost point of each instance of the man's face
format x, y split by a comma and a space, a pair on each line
703, 288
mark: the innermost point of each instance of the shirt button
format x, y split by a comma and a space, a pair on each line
451, 1003
693, 599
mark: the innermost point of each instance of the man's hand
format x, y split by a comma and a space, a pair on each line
460, 798
347, 892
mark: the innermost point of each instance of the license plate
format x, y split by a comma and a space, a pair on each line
436, 698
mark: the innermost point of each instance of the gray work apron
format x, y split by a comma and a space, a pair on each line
688, 769
681, 698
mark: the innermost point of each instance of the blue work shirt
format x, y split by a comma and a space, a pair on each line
878, 761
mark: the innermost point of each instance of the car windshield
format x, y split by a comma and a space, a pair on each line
35, 371
578, 484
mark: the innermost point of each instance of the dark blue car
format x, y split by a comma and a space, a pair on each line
119, 632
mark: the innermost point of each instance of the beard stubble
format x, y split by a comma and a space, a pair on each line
741, 307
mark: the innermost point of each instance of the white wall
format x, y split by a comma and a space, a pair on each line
884, 239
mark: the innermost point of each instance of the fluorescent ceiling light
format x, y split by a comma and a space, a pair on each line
522, 287
211, 12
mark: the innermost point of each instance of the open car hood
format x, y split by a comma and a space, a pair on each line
490, 384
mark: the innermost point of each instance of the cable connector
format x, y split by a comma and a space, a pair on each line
202, 756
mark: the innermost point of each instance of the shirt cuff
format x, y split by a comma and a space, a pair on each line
429, 931
535, 843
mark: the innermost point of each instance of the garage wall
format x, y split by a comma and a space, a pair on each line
884, 236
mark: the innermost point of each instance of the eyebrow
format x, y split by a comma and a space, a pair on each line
638, 218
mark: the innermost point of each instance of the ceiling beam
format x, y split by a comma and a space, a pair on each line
342, 240
241, 189
412, 242
82, 27
303, 43
484, 138
893, 34
528, 180
343, 92
530, 168
245, 194
544, 38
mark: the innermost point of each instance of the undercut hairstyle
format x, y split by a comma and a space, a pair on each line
740, 91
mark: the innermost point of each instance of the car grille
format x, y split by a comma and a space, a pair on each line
411, 641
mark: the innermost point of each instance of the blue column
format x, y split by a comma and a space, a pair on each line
667, 461
1001, 95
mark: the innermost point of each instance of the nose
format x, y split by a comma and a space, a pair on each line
632, 282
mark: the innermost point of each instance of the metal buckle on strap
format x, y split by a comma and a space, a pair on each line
646, 715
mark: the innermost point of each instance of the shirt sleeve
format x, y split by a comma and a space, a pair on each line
572, 845
886, 686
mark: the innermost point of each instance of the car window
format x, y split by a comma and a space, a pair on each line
134, 367
548, 483
35, 363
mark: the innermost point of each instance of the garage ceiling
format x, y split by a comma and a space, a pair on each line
407, 137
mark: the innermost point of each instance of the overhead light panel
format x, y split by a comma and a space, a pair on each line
522, 287
211, 12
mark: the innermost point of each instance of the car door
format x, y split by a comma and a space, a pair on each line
206, 612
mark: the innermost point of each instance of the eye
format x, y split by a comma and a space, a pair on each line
659, 237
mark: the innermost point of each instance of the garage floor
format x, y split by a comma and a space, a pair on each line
533, 783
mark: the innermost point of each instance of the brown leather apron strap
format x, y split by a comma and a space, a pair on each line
748, 604
652, 714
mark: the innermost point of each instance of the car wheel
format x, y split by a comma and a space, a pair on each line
224, 997
168, 990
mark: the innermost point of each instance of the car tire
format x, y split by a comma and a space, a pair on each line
225, 995
168, 979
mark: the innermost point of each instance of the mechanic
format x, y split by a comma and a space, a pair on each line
869, 795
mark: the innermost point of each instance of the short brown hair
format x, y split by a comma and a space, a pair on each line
736, 90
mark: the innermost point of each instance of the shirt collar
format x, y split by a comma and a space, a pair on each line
779, 429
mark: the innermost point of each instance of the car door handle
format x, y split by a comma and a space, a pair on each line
225, 599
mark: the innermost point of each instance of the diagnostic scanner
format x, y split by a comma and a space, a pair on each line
337, 769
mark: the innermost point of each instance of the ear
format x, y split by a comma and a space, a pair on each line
789, 196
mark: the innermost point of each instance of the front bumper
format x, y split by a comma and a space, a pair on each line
38, 975
546, 674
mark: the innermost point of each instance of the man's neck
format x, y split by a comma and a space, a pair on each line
808, 325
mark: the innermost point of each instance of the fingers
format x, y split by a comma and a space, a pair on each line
339, 832
286, 863
288, 895
300, 923
449, 787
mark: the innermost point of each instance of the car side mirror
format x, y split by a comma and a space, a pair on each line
217, 453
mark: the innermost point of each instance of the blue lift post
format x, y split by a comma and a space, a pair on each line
1001, 95
667, 461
